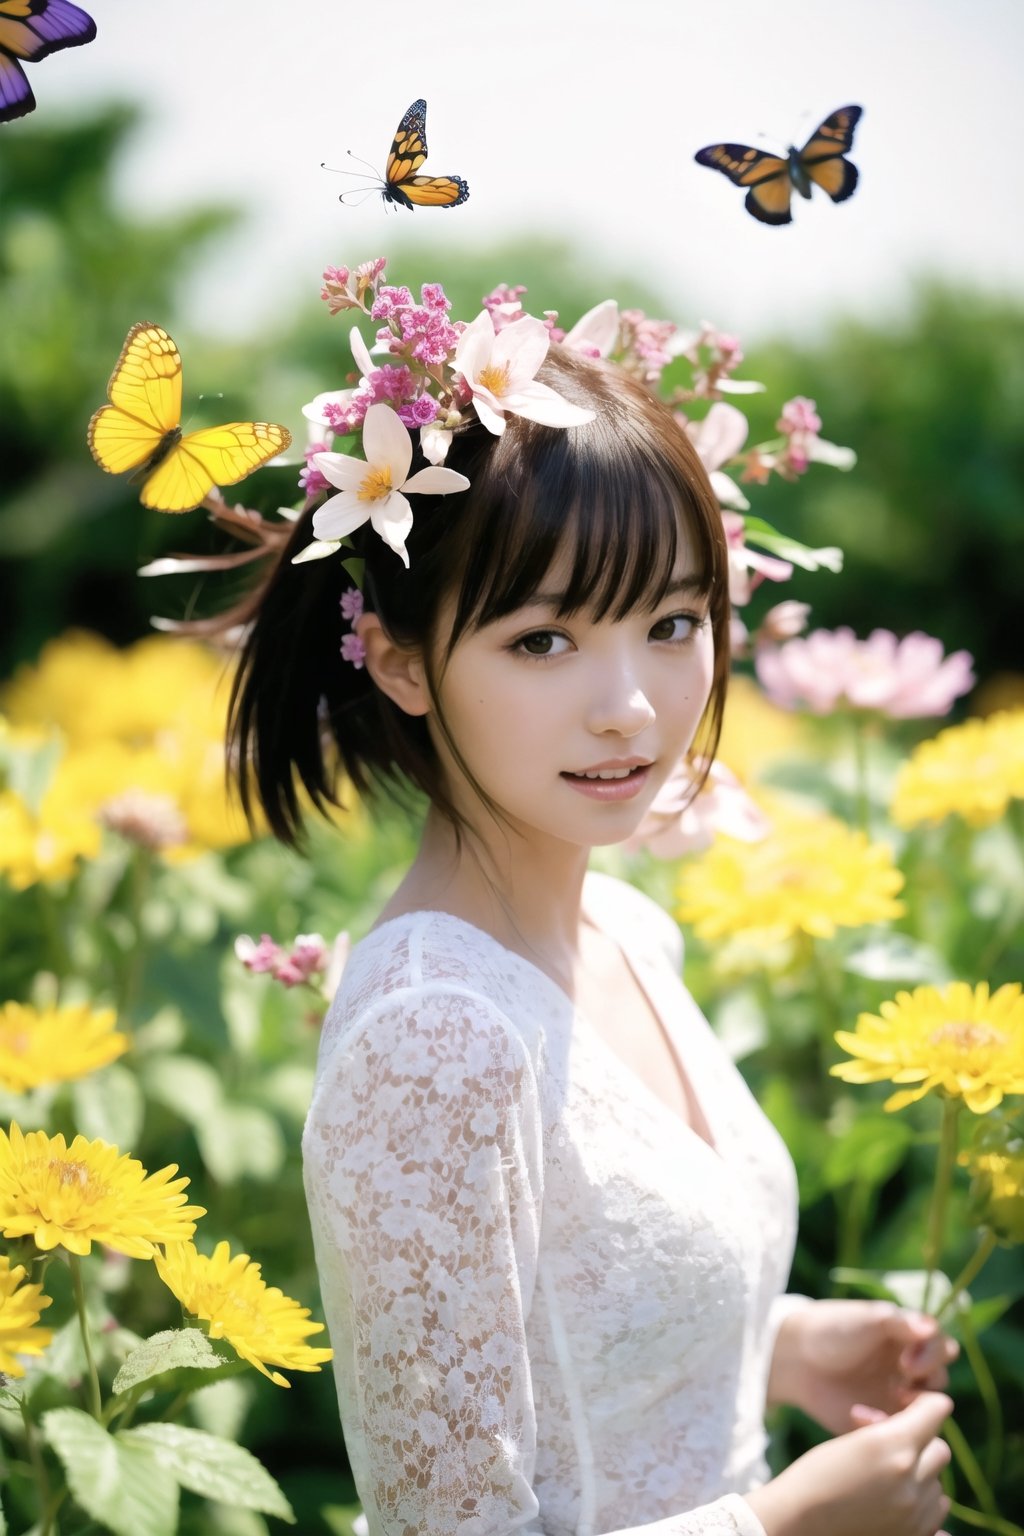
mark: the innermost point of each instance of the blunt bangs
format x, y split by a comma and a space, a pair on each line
609, 503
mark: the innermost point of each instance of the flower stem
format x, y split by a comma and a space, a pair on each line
940, 1193
95, 1396
975, 1263
994, 1523
968, 1464
860, 757
38, 1464
989, 1395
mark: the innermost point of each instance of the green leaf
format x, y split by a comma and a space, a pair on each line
125, 1487
184, 1084
108, 1105
217, 1469
241, 1141
340, 1519
870, 1151
178, 1360
757, 531
897, 957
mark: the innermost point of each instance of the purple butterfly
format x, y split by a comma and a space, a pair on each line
30, 29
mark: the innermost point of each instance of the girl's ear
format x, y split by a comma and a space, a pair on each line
397, 671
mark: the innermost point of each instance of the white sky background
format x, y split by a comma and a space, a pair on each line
576, 118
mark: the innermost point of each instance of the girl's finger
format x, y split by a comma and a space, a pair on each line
932, 1460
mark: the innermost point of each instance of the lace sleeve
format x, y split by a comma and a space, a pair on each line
423, 1174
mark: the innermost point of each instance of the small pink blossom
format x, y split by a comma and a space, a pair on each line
748, 567
389, 301
264, 956
344, 288
352, 605
503, 305
353, 650
645, 343
310, 478
783, 622
419, 412
680, 822
715, 356
831, 669
798, 415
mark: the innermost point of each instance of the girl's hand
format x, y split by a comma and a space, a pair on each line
882, 1478
831, 1355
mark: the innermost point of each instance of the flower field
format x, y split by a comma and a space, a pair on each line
157, 1291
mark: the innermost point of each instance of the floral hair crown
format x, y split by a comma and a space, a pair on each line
428, 372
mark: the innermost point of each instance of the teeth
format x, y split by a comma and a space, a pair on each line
608, 773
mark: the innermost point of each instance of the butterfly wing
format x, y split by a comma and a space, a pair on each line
212, 456
408, 152
436, 191
822, 156
31, 29
145, 401
766, 177
16, 96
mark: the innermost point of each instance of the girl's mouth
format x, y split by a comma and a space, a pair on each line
609, 783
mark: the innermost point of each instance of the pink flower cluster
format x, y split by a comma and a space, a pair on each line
352, 647
644, 343
715, 355
504, 305
831, 669
346, 288
303, 964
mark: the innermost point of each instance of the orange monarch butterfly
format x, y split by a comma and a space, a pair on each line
772, 178
30, 30
408, 152
141, 430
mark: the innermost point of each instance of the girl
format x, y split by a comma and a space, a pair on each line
551, 1225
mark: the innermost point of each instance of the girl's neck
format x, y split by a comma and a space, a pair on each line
526, 896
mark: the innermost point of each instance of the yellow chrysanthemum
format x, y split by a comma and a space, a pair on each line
972, 770
145, 731
43, 848
88, 1193
94, 692
55, 1045
963, 1041
20, 1306
811, 874
997, 1187
263, 1325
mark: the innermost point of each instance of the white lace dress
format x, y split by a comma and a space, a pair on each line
552, 1303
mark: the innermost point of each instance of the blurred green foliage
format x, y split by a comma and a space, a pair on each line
932, 403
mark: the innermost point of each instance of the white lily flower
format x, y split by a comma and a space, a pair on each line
435, 442
595, 332
717, 439
373, 487
500, 370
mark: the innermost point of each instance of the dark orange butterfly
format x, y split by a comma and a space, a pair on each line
400, 184
772, 178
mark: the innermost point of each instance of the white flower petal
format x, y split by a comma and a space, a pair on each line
435, 442
821, 452
438, 482
739, 387
598, 328
721, 434
488, 417
523, 347
318, 550
392, 519
314, 411
727, 491
474, 346
538, 402
340, 516
386, 443
341, 469
360, 353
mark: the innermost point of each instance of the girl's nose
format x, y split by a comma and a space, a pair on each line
620, 707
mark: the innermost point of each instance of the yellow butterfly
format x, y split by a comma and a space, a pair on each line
772, 179
141, 429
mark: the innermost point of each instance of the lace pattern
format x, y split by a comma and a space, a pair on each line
550, 1300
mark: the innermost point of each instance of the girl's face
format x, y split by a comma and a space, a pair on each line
571, 726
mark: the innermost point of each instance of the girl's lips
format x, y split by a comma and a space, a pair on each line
611, 789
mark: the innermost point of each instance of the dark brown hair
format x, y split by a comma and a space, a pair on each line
611, 495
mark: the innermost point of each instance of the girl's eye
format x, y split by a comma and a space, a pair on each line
542, 643
676, 627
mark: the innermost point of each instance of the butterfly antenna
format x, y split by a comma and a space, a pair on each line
361, 192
